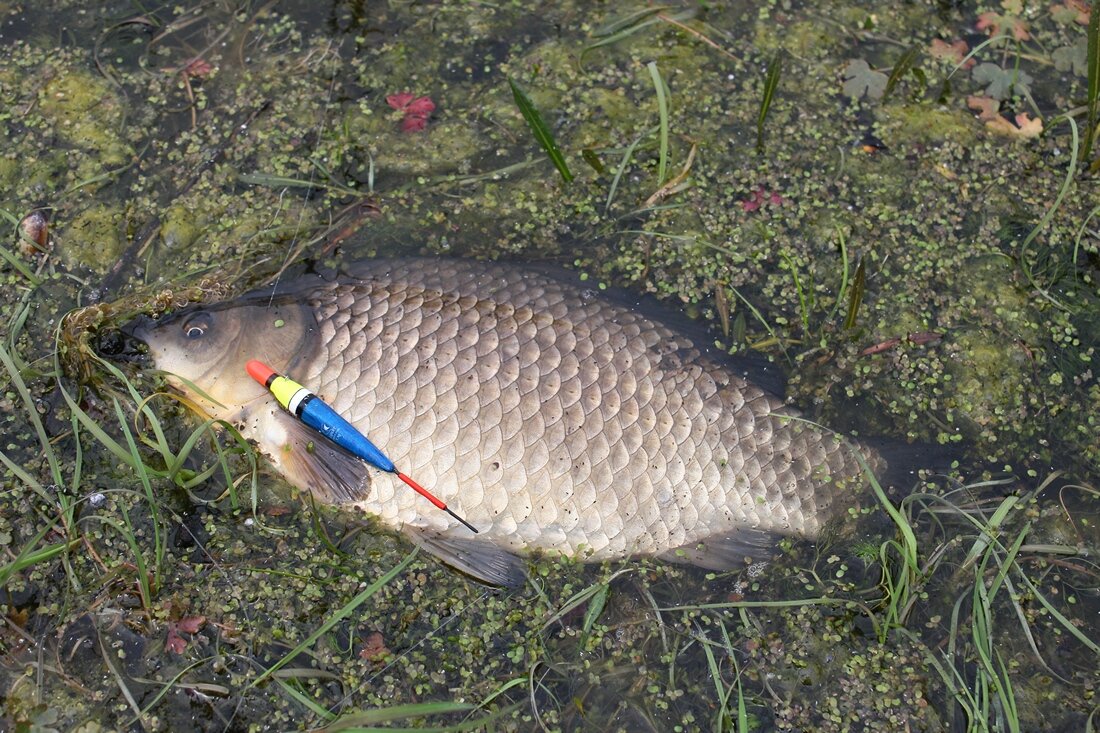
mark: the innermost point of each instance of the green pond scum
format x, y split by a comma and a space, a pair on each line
895, 201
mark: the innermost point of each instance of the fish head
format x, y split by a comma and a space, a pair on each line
204, 350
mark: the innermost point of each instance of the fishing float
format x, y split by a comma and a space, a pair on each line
317, 414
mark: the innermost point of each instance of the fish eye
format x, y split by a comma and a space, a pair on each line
197, 325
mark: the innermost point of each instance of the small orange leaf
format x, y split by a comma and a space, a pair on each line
1024, 129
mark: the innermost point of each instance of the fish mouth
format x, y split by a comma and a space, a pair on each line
127, 343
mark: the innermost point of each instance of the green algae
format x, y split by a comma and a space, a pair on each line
93, 238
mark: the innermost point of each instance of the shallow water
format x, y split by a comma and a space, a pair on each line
893, 252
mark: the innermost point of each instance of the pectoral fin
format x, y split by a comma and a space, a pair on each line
479, 559
312, 461
726, 551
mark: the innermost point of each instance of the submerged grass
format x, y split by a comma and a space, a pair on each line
662, 120
771, 84
1092, 73
540, 130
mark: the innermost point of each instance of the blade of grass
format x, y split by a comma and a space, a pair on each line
722, 716
1062, 191
541, 131
627, 155
595, 608
742, 713
771, 83
803, 304
398, 712
628, 25
159, 549
293, 688
901, 68
1093, 74
855, 297
337, 617
32, 413
843, 274
28, 556
901, 584
581, 596
662, 117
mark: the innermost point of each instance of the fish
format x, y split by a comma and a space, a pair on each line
554, 418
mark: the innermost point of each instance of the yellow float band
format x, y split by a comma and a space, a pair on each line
285, 390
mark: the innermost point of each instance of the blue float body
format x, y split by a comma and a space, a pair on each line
322, 418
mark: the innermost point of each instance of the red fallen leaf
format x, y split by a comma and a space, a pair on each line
986, 107
413, 123
918, 338
760, 197
994, 22
400, 101
1024, 129
197, 68
421, 107
416, 109
1076, 9
374, 647
191, 624
175, 642
955, 51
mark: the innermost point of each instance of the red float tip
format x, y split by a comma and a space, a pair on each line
421, 490
259, 371
428, 495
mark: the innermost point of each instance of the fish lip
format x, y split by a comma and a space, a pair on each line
132, 347
138, 329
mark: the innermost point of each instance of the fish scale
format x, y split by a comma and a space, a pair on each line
549, 417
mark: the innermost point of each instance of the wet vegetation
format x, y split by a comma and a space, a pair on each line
897, 202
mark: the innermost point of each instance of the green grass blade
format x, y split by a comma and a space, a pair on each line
628, 25
22, 475
398, 712
347, 610
901, 68
843, 275
542, 133
595, 608
855, 297
1068, 625
1093, 73
97, 432
742, 713
32, 413
291, 688
629, 21
771, 83
143, 475
1071, 171
662, 116
803, 304
28, 557
627, 156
